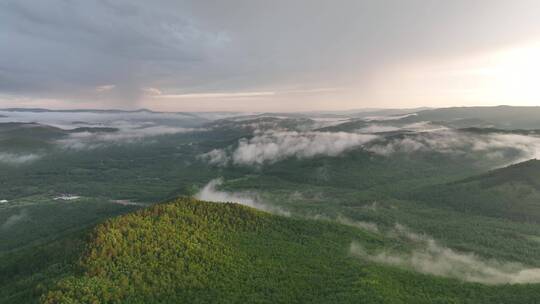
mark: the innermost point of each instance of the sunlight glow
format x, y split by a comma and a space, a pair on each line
506, 76
516, 75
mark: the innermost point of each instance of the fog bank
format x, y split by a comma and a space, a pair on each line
273, 146
429, 257
211, 193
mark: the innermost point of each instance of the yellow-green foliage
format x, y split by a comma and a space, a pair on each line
189, 251
162, 250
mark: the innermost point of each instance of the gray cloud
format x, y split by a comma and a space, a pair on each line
432, 258
74, 49
109, 53
448, 141
272, 146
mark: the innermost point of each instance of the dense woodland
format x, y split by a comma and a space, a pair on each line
128, 238
197, 252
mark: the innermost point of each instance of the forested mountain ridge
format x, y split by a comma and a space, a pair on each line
194, 251
511, 192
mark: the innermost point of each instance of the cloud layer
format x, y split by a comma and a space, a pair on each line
114, 53
495, 145
273, 146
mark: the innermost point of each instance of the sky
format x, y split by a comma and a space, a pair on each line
256, 55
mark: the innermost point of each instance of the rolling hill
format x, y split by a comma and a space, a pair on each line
502, 117
434, 182
199, 252
511, 193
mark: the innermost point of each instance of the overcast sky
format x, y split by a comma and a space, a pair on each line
280, 55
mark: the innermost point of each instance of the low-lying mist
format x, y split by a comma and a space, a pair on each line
18, 158
123, 127
493, 145
71, 119
211, 193
429, 257
89, 140
13, 219
273, 146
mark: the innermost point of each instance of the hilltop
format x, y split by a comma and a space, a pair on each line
188, 249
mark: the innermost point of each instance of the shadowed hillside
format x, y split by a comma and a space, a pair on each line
512, 192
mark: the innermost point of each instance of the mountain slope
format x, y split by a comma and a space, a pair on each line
200, 252
512, 193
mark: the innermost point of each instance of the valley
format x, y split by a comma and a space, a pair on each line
426, 207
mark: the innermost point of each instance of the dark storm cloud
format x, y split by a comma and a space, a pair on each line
112, 50
72, 48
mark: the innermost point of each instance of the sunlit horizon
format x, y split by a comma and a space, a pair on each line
188, 57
